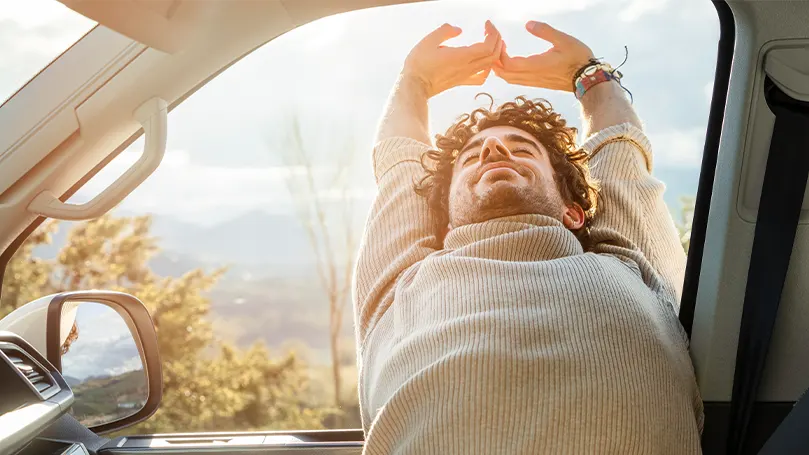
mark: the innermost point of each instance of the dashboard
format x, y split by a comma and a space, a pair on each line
34, 395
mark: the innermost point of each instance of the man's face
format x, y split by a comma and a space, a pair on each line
504, 171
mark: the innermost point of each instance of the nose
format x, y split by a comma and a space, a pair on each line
494, 150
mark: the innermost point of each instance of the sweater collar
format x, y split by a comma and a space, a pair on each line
529, 237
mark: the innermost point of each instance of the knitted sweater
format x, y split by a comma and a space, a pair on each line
508, 337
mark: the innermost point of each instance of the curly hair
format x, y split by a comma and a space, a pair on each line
535, 117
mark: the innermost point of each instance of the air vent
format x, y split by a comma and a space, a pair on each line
33, 371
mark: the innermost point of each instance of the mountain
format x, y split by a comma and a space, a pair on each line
103, 399
251, 239
254, 242
71, 381
271, 291
98, 351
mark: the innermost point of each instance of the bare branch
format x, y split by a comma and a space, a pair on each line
325, 228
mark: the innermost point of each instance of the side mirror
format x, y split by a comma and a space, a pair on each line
104, 344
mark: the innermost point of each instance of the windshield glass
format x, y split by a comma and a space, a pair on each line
242, 243
32, 34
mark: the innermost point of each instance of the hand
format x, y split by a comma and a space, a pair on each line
552, 69
440, 68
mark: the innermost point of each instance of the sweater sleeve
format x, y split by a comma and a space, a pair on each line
399, 231
631, 202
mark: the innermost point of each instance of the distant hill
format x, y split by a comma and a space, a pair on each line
253, 239
104, 399
271, 291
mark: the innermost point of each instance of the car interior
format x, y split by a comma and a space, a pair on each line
742, 303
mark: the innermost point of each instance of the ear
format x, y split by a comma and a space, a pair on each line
573, 218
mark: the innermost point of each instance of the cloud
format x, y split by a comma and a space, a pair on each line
678, 148
104, 345
32, 33
187, 190
524, 10
312, 37
36, 13
708, 90
636, 9
193, 192
45, 26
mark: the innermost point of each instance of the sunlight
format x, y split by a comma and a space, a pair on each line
318, 34
35, 13
32, 34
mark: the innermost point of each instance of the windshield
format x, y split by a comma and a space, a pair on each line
243, 241
32, 34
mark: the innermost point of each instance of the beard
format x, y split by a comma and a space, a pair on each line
502, 199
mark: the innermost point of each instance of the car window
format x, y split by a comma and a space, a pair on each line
32, 33
242, 242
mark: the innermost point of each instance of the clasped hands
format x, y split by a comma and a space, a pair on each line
440, 67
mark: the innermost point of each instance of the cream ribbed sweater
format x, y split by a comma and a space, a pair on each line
509, 338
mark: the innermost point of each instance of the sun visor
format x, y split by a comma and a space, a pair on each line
165, 25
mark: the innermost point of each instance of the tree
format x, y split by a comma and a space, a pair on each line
685, 221
27, 277
208, 384
330, 228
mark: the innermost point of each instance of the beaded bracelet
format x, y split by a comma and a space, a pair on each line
593, 74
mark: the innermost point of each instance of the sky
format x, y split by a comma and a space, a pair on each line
105, 345
32, 33
228, 146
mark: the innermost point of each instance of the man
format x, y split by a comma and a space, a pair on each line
511, 302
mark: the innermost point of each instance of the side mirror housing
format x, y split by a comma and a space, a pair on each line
105, 345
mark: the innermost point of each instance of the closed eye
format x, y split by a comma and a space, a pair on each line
523, 152
469, 158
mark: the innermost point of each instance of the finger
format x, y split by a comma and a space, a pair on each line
486, 47
505, 60
548, 33
490, 58
491, 30
475, 52
503, 54
441, 34
477, 78
501, 46
483, 63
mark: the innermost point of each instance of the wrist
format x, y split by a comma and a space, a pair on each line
592, 75
576, 69
599, 92
415, 82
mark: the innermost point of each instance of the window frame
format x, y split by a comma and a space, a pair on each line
725, 54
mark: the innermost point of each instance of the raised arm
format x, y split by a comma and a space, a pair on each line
605, 105
631, 199
400, 230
